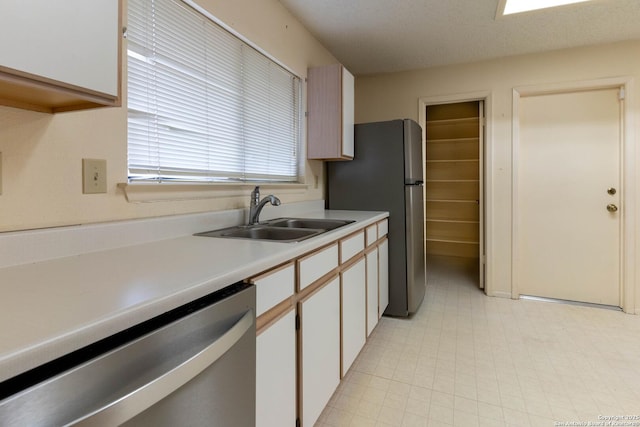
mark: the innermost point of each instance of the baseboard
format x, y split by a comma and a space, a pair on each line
501, 294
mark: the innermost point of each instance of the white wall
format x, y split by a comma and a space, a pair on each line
41, 171
392, 96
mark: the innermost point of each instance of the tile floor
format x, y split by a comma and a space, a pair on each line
465, 359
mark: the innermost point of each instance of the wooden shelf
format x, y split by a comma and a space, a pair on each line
474, 201
452, 170
465, 232
453, 180
465, 242
452, 190
470, 201
452, 129
449, 140
465, 250
453, 149
454, 161
461, 120
454, 221
452, 210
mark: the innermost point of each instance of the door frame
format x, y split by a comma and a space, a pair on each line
628, 221
486, 183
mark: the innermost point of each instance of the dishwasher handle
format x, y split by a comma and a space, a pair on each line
136, 402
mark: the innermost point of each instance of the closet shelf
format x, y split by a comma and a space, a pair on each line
454, 161
455, 121
453, 221
474, 201
466, 242
453, 180
447, 140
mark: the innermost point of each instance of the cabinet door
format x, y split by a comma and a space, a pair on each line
330, 105
276, 374
383, 279
320, 350
60, 55
74, 42
348, 106
354, 312
372, 290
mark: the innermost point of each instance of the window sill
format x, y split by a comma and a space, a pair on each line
146, 192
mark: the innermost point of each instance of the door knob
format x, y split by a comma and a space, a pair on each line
611, 191
612, 208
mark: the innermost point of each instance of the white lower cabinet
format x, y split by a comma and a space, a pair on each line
319, 349
314, 314
354, 312
383, 276
372, 289
276, 373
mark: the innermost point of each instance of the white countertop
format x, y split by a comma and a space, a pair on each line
50, 308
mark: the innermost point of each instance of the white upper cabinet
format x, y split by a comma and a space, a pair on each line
330, 105
60, 55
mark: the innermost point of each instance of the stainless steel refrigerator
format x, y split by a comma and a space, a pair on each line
386, 175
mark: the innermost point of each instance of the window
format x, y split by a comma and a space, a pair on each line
203, 104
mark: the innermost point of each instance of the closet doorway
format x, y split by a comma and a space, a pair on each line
454, 194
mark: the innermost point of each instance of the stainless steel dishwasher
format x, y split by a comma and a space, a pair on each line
192, 366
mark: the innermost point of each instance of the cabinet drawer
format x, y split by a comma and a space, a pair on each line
273, 287
315, 265
351, 246
383, 228
372, 234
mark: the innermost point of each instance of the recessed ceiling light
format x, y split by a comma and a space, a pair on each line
509, 7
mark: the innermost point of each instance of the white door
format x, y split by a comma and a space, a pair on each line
568, 242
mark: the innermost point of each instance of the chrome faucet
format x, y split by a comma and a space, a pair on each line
256, 205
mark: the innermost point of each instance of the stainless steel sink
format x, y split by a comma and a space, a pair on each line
264, 232
323, 224
281, 229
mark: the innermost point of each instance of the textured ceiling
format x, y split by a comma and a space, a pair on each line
375, 36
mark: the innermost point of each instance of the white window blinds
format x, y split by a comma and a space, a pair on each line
203, 104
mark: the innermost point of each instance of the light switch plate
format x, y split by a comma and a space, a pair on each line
94, 176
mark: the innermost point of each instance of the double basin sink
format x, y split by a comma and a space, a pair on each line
281, 229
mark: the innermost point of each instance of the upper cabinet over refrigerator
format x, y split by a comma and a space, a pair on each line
330, 106
60, 55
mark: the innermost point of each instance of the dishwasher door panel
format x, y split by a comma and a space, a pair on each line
195, 368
